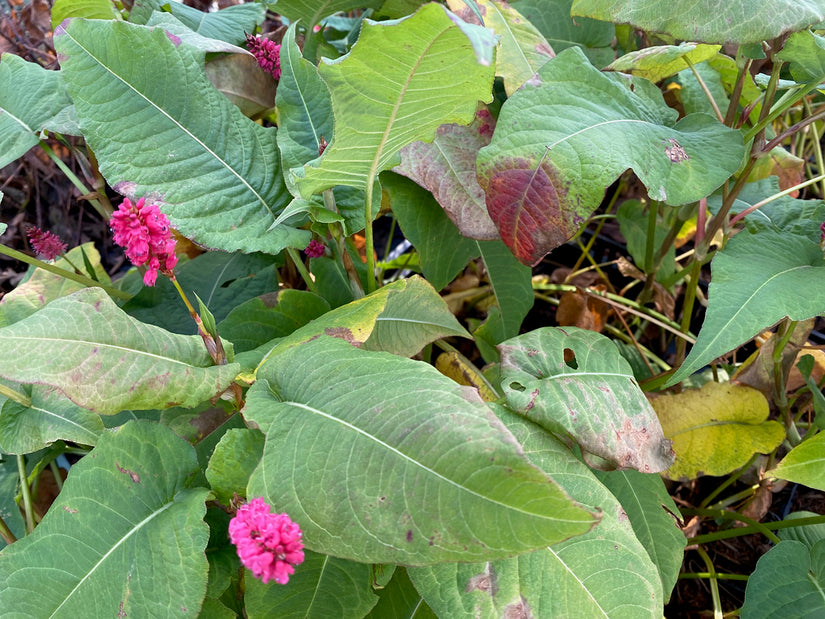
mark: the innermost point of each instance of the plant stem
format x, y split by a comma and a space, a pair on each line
728, 482
16, 396
742, 214
369, 242
714, 585
27, 497
102, 211
687, 308
688, 575
780, 397
6, 534
749, 530
736, 93
58, 480
75, 277
723, 514
302, 270
705, 90
820, 163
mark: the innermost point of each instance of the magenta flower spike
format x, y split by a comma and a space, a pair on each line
146, 235
45, 244
268, 544
315, 249
267, 53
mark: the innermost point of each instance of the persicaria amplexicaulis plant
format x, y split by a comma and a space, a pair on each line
450, 260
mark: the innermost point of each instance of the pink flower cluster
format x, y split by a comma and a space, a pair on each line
315, 249
267, 53
144, 232
46, 245
269, 545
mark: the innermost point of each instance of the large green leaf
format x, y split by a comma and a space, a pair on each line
216, 175
659, 62
569, 132
653, 515
736, 21
234, 458
401, 80
758, 279
522, 48
310, 12
576, 384
512, 285
32, 100
789, 581
552, 18
48, 418
322, 587
805, 463
603, 573
228, 24
379, 477
125, 536
105, 360
447, 167
90, 9
805, 53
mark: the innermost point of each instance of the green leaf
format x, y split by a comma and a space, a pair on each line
32, 100
805, 463
304, 106
90, 9
49, 417
574, 383
603, 573
401, 80
808, 534
232, 462
658, 62
125, 535
633, 223
9, 511
400, 599
571, 131
716, 429
789, 581
756, 281
522, 48
321, 587
411, 319
105, 360
737, 21
552, 18
653, 515
447, 168
381, 478
512, 285
805, 53
220, 188
693, 97
310, 12
175, 27
269, 316
443, 250
228, 24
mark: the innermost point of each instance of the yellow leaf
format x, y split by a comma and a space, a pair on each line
456, 366
716, 429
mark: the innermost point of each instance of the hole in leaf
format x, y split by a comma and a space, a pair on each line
516, 386
570, 359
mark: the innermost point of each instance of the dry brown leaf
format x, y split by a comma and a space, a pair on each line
577, 309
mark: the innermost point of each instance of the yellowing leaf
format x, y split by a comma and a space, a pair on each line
716, 429
454, 365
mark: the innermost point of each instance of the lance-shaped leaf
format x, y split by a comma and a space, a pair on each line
228, 24
32, 100
603, 573
216, 175
106, 361
805, 463
447, 167
575, 384
568, 133
738, 21
391, 462
310, 12
401, 80
125, 536
522, 48
657, 63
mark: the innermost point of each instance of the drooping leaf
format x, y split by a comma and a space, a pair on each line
739, 21
398, 84
447, 167
411, 319
658, 62
603, 573
310, 12
235, 457
652, 514
400, 599
569, 132
90, 9
49, 417
216, 175
575, 384
789, 580
239, 79
805, 53
126, 535
438, 482
522, 48
512, 286
228, 24
321, 587
443, 251
32, 100
716, 429
805, 463
758, 278
105, 360
552, 18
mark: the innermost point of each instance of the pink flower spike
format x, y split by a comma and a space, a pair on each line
268, 544
315, 249
146, 236
267, 53
46, 245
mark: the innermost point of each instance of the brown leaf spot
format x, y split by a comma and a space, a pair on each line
134, 476
517, 610
675, 152
409, 535
486, 582
342, 333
